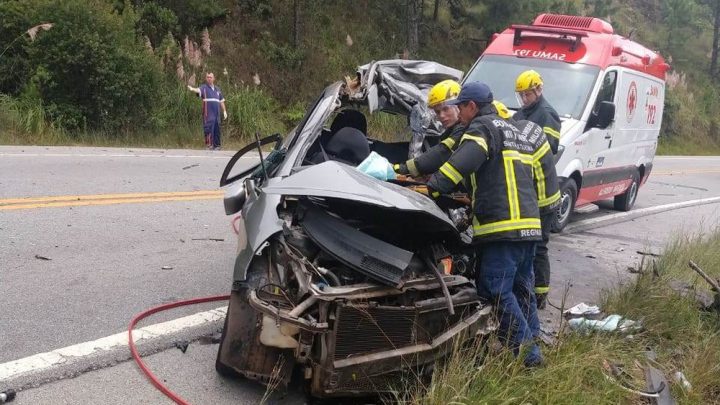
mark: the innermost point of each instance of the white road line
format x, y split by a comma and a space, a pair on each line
626, 216
56, 358
687, 157
119, 155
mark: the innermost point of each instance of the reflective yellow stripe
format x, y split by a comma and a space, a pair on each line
511, 188
480, 140
542, 290
449, 142
539, 180
504, 226
538, 155
549, 200
412, 167
451, 173
551, 132
473, 182
522, 157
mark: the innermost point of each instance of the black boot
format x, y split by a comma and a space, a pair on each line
541, 300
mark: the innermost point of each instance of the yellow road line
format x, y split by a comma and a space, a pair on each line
105, 199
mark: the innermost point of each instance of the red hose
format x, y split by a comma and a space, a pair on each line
133, 350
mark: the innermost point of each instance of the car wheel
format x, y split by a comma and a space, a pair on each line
568, 197
626, 200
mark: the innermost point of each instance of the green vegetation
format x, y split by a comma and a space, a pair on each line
112, 71
684, 338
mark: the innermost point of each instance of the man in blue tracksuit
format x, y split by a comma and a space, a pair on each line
213, 101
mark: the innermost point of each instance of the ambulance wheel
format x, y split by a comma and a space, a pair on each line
626, 200
568, 197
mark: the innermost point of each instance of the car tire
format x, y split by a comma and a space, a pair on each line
626, 200
568, 198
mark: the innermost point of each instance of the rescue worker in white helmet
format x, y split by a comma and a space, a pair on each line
430, 161
494, 159
535, 108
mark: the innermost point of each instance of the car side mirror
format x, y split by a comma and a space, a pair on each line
605, 115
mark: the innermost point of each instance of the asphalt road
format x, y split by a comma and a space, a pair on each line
113, 255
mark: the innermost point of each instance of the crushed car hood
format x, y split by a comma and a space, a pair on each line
337, 180
396, 84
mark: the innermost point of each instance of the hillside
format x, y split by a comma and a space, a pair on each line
114, 72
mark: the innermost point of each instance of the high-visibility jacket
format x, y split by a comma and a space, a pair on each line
495, 161
430, 161
543, 114
544, 173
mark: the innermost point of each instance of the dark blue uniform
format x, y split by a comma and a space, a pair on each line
211, 98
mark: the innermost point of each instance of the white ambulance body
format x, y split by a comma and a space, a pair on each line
609, 92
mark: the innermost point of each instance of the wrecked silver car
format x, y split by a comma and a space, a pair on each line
353, 283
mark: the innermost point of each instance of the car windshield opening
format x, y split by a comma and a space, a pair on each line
567, 86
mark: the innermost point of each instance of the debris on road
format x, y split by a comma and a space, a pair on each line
7, 396
582, 309
640, 252
657, 383
611, 323
714, 286
191, 166
613, 374
182, 345
680, 378
704, 301
591, 256
713, 283
212, 239
42, 257
167, 267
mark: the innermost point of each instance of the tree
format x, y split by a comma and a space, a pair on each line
91, 69
414, 15
296, 23
716, 39
14, 64
156, 21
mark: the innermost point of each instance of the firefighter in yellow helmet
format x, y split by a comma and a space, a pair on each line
535, 108
430, 161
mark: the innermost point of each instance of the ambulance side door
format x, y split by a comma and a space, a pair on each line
599, 132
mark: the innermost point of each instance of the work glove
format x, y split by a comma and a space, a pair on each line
225, 115
401, 168
425, 190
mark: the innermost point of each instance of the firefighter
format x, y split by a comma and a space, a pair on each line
430, 161
495, 160
529, 88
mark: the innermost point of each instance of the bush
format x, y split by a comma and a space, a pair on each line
90, 68
250, 111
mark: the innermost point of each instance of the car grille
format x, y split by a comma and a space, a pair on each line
363, 330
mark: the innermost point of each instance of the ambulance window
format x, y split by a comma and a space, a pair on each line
607, 91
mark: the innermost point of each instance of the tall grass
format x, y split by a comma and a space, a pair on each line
684, 338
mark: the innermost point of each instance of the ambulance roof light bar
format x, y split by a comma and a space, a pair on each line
517, 39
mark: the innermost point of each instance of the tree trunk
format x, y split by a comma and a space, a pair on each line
296, 23
435, 10
716, 39
413, 20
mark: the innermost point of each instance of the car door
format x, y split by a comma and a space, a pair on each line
598, 142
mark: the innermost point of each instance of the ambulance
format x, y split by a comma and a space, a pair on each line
609, 93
